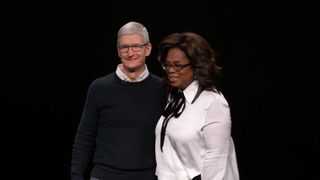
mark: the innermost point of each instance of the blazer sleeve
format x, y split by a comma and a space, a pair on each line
217, 137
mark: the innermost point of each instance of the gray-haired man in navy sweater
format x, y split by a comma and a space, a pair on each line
115, 137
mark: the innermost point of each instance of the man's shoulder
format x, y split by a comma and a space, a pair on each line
108, 78
155, 77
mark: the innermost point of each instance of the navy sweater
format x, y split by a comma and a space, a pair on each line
117, 126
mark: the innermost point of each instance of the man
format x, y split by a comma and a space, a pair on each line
116, 132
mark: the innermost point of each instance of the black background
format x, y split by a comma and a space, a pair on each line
53, 50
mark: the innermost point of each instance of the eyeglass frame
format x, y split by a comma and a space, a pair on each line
176, 67
125, 48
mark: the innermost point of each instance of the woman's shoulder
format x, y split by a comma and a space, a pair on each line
216, 97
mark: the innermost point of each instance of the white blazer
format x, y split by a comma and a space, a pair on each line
199, 141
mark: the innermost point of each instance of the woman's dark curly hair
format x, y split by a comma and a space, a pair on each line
201, 56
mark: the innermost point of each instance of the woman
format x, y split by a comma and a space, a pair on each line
193, 136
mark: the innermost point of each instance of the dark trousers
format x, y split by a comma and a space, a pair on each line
197, 177
125, 177
99, 174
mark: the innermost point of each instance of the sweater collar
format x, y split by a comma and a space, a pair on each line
123, 77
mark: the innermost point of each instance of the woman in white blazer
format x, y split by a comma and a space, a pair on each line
193, 136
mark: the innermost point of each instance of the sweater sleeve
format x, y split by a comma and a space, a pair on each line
217, 135
85, 138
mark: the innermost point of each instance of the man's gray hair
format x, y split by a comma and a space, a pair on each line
134, 28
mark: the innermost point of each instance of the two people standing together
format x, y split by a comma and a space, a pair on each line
138, 126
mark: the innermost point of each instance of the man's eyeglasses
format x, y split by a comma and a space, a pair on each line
177, 67
134, 47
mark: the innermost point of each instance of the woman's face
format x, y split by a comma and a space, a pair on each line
178, 69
